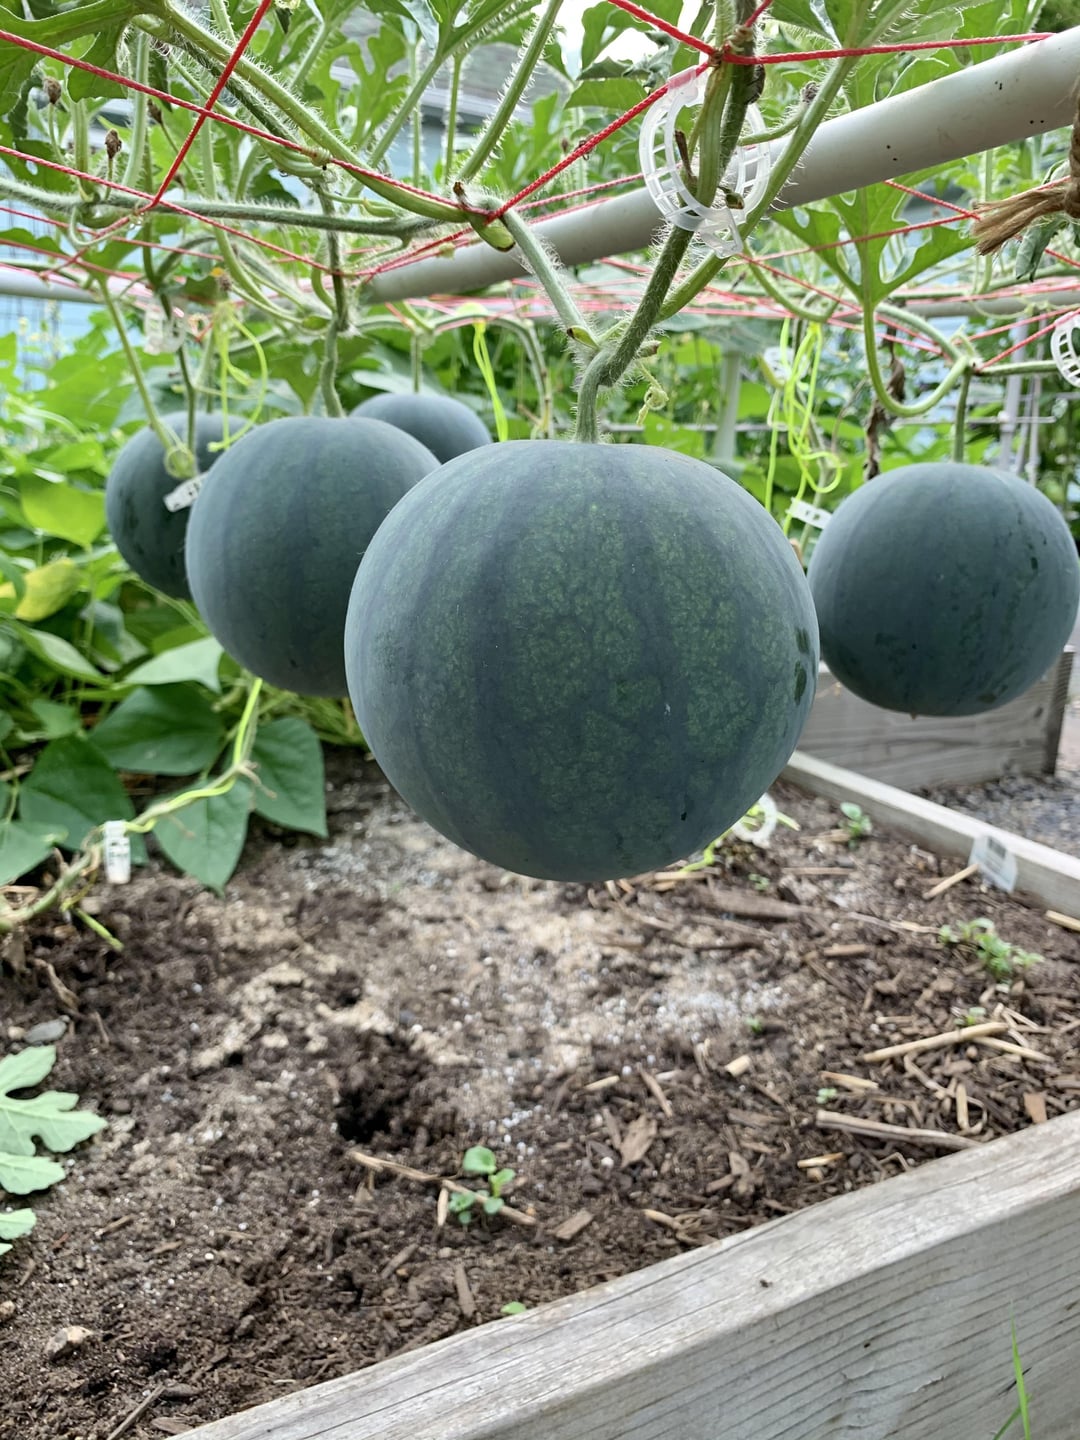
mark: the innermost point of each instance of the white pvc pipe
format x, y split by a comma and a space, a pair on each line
1021, 93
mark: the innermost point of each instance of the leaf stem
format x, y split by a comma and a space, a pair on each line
547, 271
180, 461
520, 77
960, 418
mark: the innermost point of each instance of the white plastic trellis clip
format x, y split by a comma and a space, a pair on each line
185, 494
162, 334
1063, 348
746, 176
763, 825
117, 852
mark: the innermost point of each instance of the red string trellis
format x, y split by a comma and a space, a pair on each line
526, 198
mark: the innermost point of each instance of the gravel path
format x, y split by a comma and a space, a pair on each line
1044, 808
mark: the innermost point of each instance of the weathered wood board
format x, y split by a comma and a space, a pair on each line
1019, 739
1044, 875
885, 1314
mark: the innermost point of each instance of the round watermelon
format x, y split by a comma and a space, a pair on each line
447, 427
149, 537
580, 661
944, 589
279, 528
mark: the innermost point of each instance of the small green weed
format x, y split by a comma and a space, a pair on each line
1021, 1412
50, 1117
825, 1094
755, 1024
514, 1307
1000, 958
481, 1161
759, 882
856, 823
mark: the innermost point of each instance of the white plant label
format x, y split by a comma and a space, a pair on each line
661, 165
996, 861
185, 494
809, 514
161, 335
117, 853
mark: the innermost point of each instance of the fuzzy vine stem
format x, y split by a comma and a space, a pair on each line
139, 116
456, 51
207, 43
213, 209
180, 462
547, 272
723, 111
960, 418
809, 121
451, 114
519, 81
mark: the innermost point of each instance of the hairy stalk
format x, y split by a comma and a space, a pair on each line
311, 54
723, 111
451, 115
328, 372
80, 132
181, 462
782, 168
341, 295
960, 418
244, 283
139, 116
456, 50
213, 209
519, 81
84, 864
417, 127
206, 42
155, 279
547, 272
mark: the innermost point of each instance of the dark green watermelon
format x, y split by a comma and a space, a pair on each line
944, 589
278, 531
447, 427
149, 537
580, 661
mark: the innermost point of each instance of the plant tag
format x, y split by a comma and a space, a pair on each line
117, 853
995, 861
185, 494
809, 514
161, 335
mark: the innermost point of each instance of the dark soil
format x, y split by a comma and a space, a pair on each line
658, 1061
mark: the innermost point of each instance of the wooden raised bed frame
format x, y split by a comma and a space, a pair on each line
885, 1314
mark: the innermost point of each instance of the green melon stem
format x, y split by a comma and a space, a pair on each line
723, 112
551, 277
328, 372
179, 459
522, 73
960, 419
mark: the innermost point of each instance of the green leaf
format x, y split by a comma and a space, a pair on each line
601, 24
20, 1174
73, 787
46, 589
479, 1160
290, 788
50, 1117
198, 660
54, 720
493, 1204
14, 1224
65, 510
206, 838
81, 84
59, 653
166, 730
615, 96
23, 847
